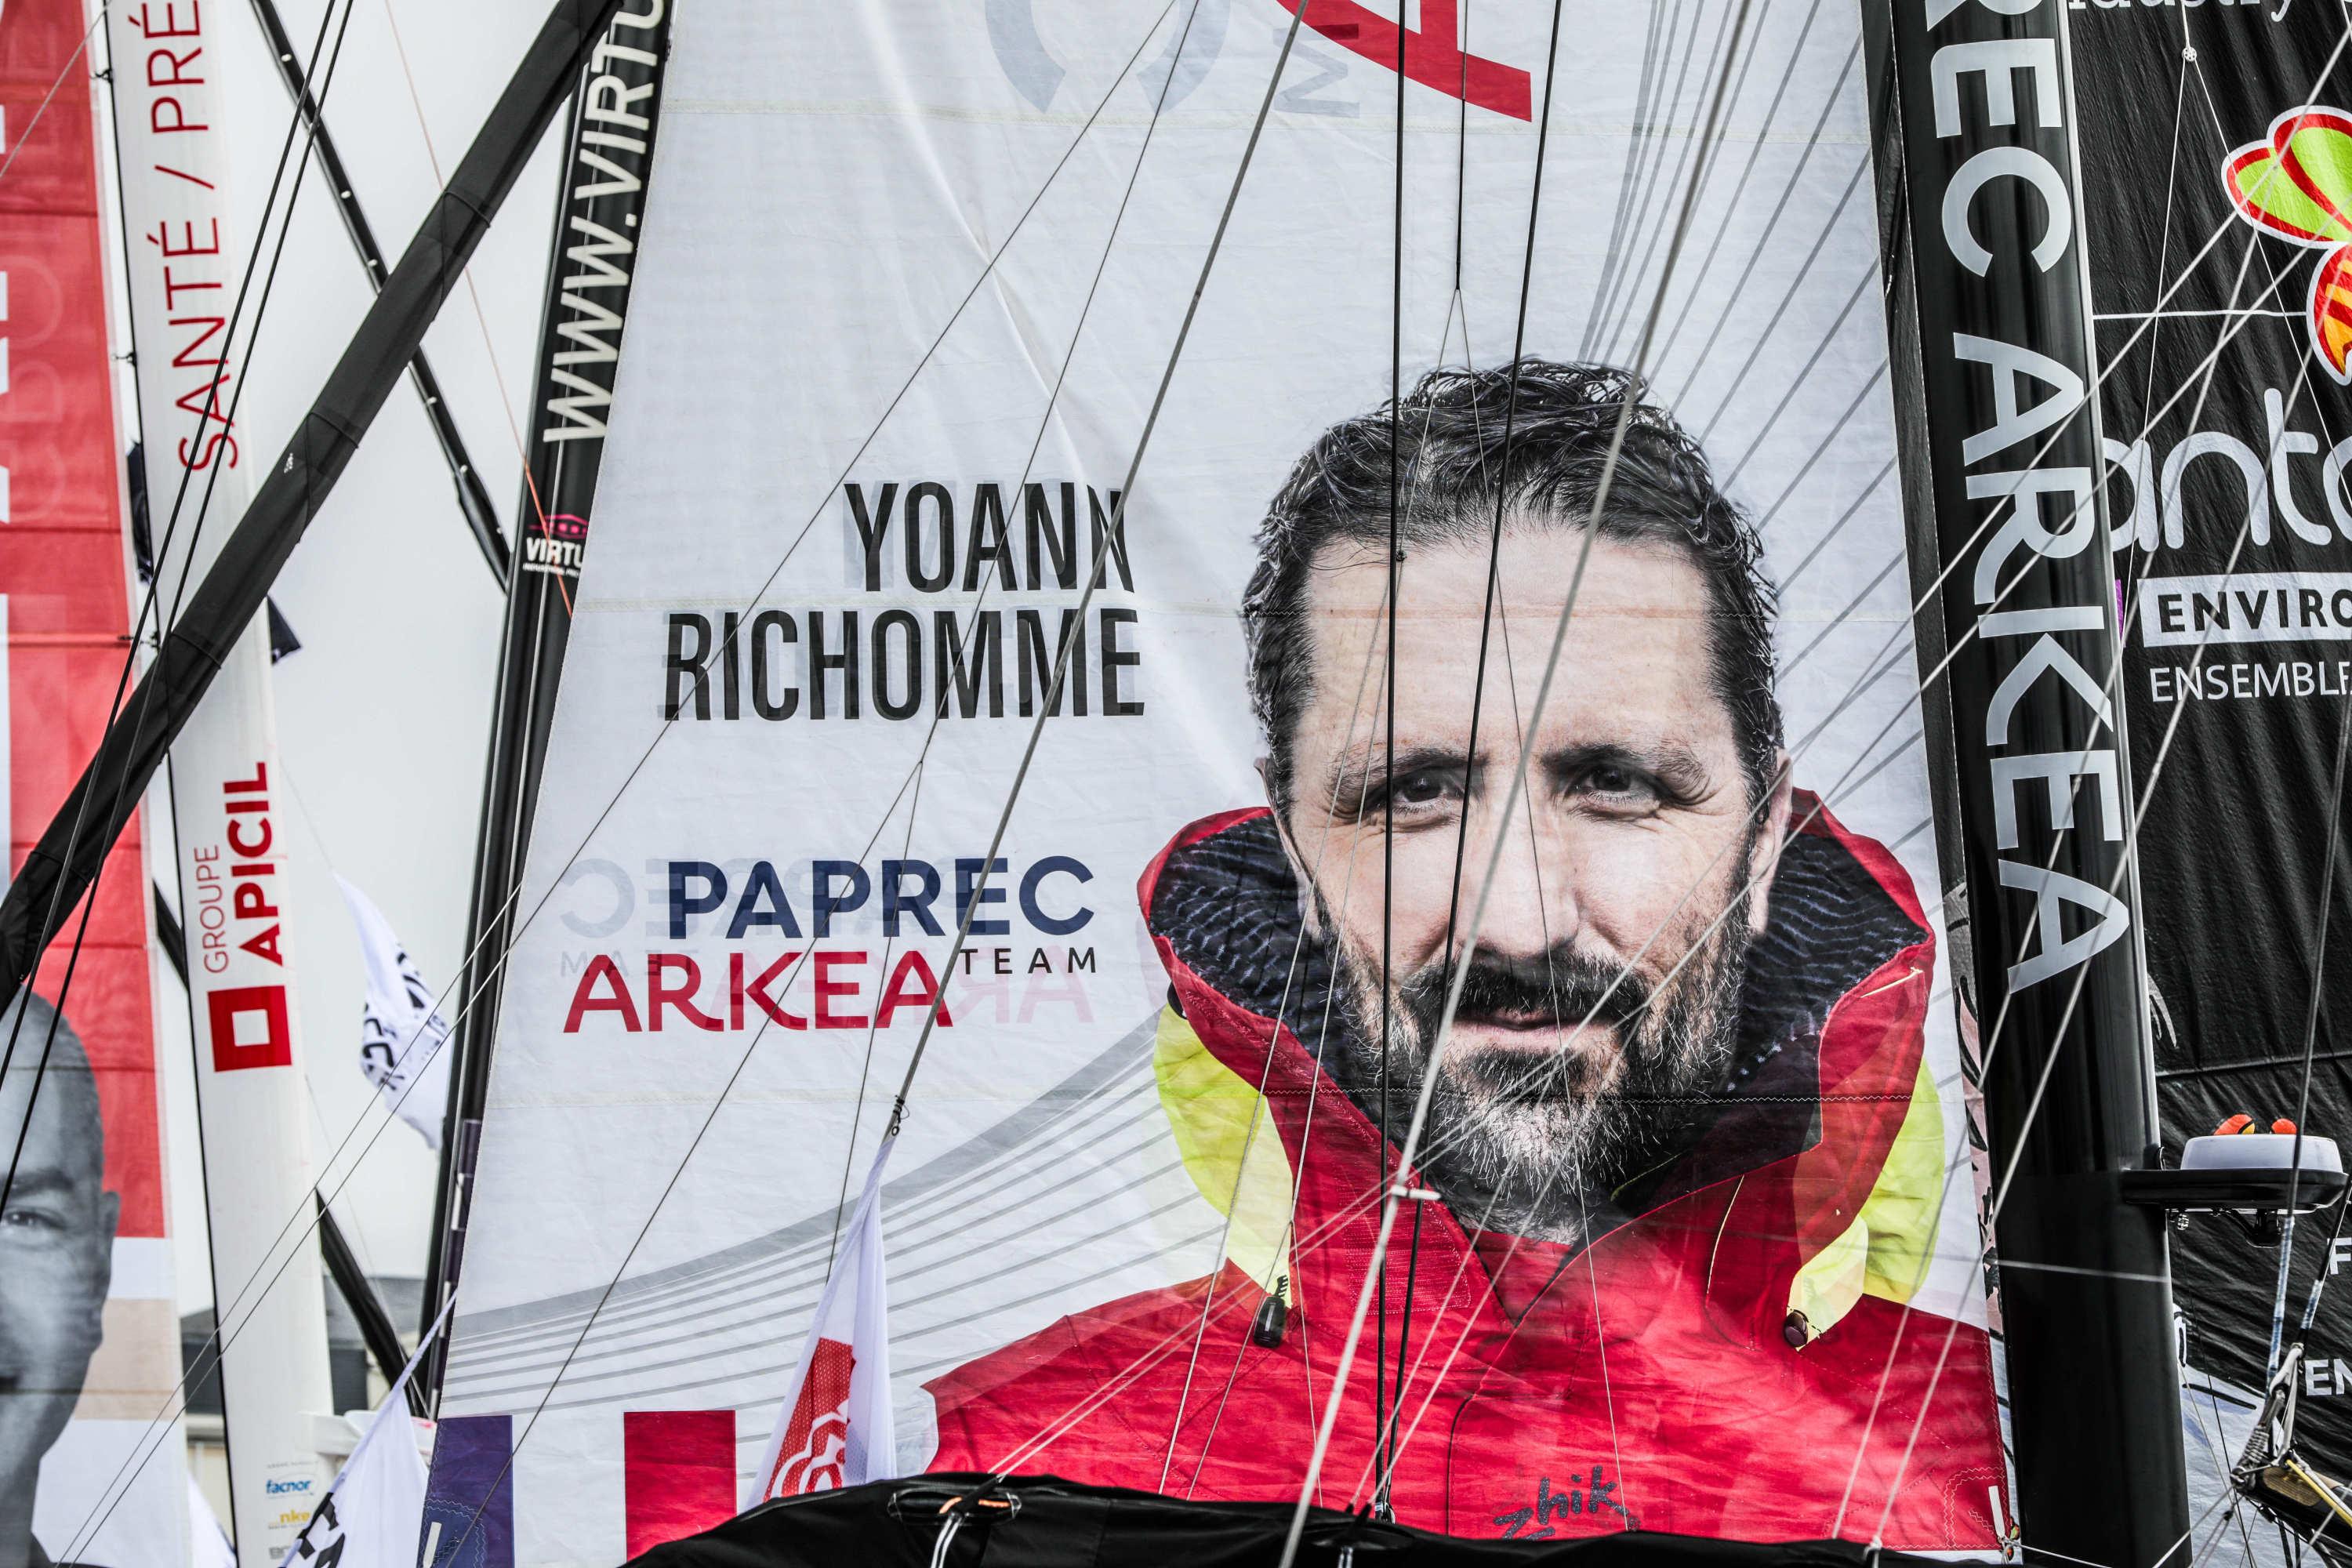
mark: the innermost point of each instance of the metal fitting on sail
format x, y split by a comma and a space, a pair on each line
1273, 1319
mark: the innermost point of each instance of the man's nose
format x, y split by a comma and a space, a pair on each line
1532, 905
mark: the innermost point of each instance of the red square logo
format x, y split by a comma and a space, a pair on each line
249, 1030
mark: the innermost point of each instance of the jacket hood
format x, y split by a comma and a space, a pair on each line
1825, 1085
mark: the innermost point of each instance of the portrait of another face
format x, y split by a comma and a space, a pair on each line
57, 1240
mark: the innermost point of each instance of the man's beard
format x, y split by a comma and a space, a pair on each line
1524, 1140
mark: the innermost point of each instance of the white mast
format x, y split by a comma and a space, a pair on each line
186, 265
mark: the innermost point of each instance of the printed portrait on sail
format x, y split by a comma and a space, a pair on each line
1684, 1163
56, 1238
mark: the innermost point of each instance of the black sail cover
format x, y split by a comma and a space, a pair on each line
2216, 155
1042, 1520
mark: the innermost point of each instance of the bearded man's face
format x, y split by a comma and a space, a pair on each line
1600, 1004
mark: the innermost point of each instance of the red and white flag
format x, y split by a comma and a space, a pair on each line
835, 1427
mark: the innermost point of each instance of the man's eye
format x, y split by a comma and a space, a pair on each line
27, 1219
1425, 790
1619, 788
1422, 789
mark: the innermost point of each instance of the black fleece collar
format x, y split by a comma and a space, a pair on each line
1229, 906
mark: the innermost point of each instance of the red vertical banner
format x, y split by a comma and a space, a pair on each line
679, 1473
64, 597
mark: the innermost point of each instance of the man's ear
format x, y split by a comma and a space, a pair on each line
109, 1219
99, 1273
1764, 855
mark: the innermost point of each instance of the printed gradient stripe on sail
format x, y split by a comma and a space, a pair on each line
2296, 184
723, 1328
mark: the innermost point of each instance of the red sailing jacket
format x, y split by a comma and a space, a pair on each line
1648, 1380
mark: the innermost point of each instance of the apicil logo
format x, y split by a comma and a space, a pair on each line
2296, 184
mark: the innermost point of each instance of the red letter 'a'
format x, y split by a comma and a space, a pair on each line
619, 1001
919, 991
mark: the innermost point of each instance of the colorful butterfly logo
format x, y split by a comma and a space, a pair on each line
2297, 185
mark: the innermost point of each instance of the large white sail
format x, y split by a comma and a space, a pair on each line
186, 269
937, 312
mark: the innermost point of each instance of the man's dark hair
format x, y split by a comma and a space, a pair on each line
1450, 473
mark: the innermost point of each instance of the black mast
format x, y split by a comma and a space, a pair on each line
1989, 319
599, 213
473, 497
61, 867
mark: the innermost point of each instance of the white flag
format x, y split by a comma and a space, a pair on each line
374, 1516
401, 1036
834, 1428
208, 1543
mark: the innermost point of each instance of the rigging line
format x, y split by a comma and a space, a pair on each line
1712, 250
874, 1024
1249, 1135
1102, 548
473, 497
1290, 1239
1386, 1451
637, 767
1461, 161
2132, 568
2311, 1037
1927, 680
1829, 336
804, 529
515, 894
1388, 682
1706, 160
63, 71
1805, 272
1384, 1418
1999, 1197
1619, 277
1383, 1428
1037, 444
473, 294
1945, 663
131, 648
1347, 898
1519, 783
2156, 773
776, 1328
1624, 274
1830, 535
1016, 1165
149, 601
1625, 180
1462, 1262
158, 1426
1854, 694
2002, 1017
676, 1322
1061, 669
2335, 812
1738, 290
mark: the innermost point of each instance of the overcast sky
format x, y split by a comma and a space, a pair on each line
384, 716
